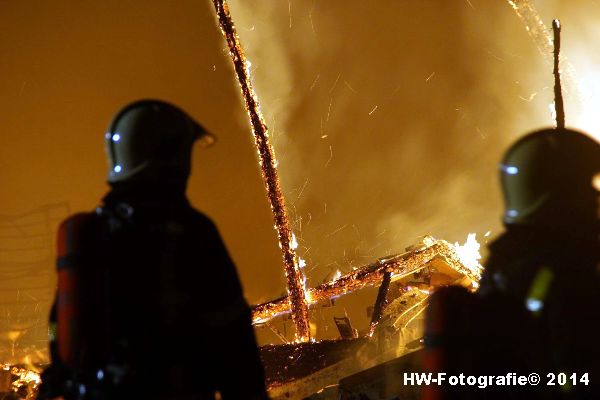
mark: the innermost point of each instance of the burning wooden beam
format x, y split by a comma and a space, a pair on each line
296, 301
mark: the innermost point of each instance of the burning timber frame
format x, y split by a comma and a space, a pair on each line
398, 266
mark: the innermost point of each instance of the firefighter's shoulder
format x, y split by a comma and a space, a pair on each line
201, 219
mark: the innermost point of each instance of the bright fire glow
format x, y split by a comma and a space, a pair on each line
468, 253
586, 117
301, 263
337, 275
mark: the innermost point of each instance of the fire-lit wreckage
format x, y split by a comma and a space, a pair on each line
300, 369
306, 366
18, 382
399, 266
358, 365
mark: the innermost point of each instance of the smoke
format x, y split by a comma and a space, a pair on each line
388, 120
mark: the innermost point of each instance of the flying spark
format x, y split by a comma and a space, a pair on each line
314, 83
335, 83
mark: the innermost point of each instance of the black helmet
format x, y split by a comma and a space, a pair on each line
151, 140
547, 177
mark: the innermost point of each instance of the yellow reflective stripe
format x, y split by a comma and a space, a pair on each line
539, 289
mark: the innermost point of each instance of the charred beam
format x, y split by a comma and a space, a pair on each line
381, 301
558, 97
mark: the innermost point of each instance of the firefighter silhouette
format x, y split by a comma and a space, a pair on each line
536, 310
149, 304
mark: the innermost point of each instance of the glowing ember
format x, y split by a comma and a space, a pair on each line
25, 378
295, 281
